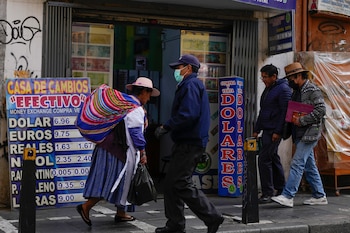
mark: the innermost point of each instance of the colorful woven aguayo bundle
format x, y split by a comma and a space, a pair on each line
102, 111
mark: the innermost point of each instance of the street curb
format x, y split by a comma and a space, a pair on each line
329, 227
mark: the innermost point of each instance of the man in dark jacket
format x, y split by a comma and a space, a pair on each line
273, 108
189, 125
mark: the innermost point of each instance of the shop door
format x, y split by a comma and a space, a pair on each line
117, 55
212, 50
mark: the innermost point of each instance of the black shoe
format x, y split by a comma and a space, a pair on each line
213, 228
265, 199
279, 192
166, 229
79, 208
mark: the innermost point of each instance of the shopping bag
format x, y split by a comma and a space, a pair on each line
142, 187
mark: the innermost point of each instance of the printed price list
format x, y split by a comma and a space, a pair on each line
73, 146
73, 159
71, 197
70, 184
68, 159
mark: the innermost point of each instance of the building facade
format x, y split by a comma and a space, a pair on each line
114, 42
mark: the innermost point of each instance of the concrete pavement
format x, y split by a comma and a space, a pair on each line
331, 218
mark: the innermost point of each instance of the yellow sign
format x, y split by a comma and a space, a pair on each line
250, 144
29, 154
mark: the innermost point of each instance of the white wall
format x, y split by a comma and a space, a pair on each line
280, 61
23, 22
24, 38
285, 148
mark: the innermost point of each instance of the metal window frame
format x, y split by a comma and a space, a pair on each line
244, 64
57, 37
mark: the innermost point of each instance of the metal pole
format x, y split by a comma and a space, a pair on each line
27, 194
250, 204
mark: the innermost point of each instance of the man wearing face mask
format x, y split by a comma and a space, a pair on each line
189, 126
306, 133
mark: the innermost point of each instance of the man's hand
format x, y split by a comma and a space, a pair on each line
160, 131
275, 137
296, 120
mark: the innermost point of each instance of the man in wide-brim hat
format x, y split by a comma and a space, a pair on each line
293, 69
307, 131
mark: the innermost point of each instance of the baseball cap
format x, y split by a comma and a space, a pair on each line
185, 60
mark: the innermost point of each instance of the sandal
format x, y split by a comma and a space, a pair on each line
82, 214
124, 218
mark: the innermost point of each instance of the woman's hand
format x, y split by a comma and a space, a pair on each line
143, 157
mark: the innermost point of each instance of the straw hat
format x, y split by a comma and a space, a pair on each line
144, 82
294, 68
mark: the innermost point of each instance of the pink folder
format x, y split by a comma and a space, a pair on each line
297, 108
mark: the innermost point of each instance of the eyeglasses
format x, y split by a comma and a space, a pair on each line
264, 77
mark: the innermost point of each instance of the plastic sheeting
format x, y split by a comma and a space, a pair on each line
331, 72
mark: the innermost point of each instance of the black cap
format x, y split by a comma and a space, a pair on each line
185, 60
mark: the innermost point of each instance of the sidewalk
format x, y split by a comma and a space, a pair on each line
331, 218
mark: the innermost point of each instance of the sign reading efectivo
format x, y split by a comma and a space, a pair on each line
41, 114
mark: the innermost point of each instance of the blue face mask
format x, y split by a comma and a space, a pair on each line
178, 76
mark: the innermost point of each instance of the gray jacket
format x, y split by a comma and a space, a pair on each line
311, 94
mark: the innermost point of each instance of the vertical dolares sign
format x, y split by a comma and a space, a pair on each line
231, 140
41, 114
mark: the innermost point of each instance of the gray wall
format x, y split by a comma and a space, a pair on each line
4, 166
171, 53
2, 38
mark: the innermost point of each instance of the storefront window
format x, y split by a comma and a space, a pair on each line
92, 52
212, 51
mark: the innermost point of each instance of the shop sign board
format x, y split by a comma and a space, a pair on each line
278, 4
231, 141
334, 6
280, 33
41, 115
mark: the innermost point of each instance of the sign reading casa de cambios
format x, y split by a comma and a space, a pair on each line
41, 114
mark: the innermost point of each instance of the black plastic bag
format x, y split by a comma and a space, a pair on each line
142, 187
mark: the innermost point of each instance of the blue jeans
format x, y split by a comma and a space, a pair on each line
304, 161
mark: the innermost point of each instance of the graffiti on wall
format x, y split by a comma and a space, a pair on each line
21, 67
329, 36
18, 33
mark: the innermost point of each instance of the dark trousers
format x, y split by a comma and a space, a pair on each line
270, 167
179, 188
